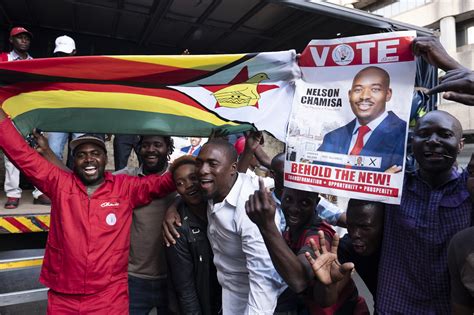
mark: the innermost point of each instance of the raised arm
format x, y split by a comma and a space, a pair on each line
458, 85
263, 157
331, 213
430, 48
171, 221
331, 276
264, 282
142, 190
40, 172
252, 141
46, 152
261, 210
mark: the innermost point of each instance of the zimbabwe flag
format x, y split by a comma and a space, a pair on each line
168, 95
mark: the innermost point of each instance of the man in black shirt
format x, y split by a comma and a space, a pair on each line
362, 245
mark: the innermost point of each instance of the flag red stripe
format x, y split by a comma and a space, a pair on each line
105, 68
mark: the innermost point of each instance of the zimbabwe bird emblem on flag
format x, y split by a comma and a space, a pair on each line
241, 91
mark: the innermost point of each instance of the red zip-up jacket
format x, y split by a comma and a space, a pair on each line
89, 237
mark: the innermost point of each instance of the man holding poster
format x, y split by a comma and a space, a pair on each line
348, 126
374, 131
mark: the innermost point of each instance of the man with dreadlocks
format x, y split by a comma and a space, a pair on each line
147, 263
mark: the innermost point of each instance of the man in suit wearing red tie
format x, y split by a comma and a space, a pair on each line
194, 148
374, 132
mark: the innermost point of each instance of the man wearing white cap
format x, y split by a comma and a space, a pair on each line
65, 47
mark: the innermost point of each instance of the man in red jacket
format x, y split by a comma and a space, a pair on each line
86, 257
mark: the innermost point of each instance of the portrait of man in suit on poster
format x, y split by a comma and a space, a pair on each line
375, 132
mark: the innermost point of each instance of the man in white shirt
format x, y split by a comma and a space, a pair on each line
250, 283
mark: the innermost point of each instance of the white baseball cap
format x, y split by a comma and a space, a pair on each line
65, 44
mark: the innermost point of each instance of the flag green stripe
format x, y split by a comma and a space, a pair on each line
98, 120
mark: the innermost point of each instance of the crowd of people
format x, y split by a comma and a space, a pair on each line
204, 234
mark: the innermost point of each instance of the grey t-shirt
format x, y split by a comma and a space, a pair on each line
92, 188
147, 258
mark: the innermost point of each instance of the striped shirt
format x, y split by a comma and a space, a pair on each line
413, 270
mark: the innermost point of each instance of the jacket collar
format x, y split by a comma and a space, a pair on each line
108, 177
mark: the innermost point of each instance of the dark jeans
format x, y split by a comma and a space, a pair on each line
147, 294
123, 145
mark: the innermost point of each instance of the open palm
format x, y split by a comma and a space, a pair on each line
326, 267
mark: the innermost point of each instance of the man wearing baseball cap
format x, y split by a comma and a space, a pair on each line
64, 47
20, 39
86, 258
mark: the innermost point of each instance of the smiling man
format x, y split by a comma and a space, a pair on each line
147, 270
288, 252
190, 259
413, 270
250, 283
375, 132
86, 257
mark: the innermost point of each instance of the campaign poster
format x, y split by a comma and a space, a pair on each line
348, 128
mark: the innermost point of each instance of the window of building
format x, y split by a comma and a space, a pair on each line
399, 7
465, 33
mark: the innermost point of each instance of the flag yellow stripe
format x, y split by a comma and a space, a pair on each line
21, 264
8, 226
26, 222
199, 62
61, 99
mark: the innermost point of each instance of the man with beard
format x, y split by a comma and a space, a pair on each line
250, 283
85, 262
147, 272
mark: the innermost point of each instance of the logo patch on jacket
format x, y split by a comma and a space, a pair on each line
111, 219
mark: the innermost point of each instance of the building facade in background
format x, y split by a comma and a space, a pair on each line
454, 22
